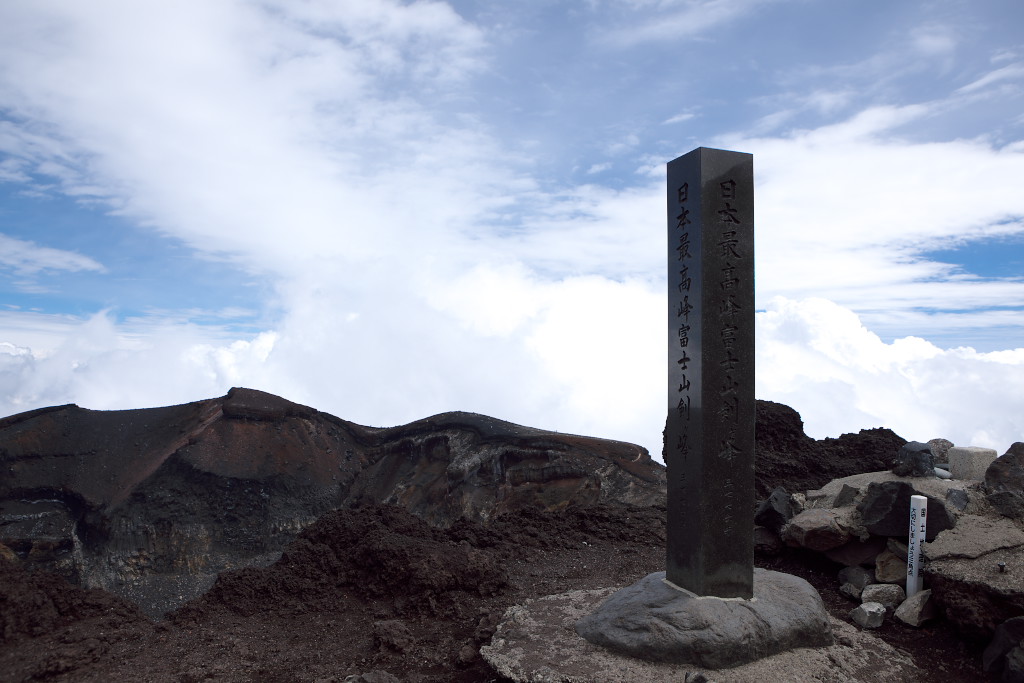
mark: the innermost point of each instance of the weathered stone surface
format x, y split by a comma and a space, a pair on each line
775, 511
917, 609
975, 536
846, 496
851, 591
885, 510
857, 576
1007, 503
1013, 668
815, 529
857, 552
653, 621
974, 594
890, 568
1008, 636
888, 594
970, 462
536, 643
868, 614
914, 460
940, 447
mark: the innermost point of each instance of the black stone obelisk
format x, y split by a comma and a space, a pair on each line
709, 435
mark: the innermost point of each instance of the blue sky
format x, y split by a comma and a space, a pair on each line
387, 210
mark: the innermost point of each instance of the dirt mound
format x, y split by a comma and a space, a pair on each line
376, 552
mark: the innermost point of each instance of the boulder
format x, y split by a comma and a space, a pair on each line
1004, 480
774, 512
887, 594
868, 615
766, 542
914, 459
815, 529
1008, 636
917, 609
1013, 669
885, 510
970, 462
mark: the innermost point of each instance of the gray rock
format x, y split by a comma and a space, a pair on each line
696, 677
915, 459
774, 512
654, 621
1008, 635
890, 568
868, 615
885, 510
815, 529
917, 609
942, 473
940, 447
888, 594
856, 576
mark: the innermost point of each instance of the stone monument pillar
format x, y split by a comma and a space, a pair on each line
709, 435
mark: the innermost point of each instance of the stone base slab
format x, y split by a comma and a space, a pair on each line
537, 643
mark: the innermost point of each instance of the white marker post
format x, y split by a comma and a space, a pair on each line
918, 527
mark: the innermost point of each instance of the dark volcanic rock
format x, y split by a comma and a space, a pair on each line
1004, 480
885, 511
153, 503
914, 459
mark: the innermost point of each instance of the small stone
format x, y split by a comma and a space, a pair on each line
868, 615
970, 462
917, 609
942, 474
888, 594
890, 568
1013, 669
896, 547
856, 576
915, 459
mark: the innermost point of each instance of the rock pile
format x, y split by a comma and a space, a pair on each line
974, 554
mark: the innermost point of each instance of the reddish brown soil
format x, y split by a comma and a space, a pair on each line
371, 590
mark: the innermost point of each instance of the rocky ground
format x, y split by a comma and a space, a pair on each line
151, 501
372, 590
